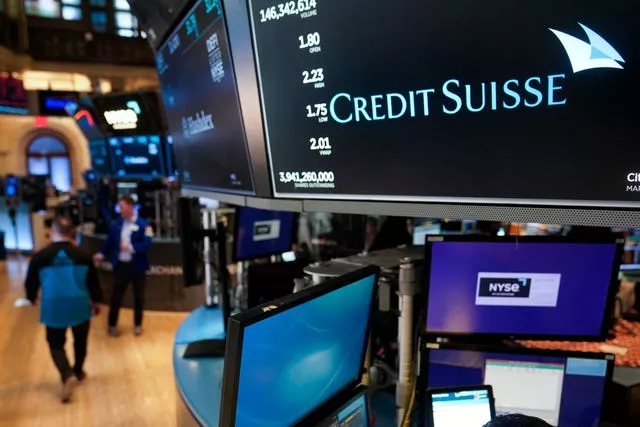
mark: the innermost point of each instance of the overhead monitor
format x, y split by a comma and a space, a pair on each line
287, 358
201, 100
137, 156
562, 388
261, 233
129, 114
100, 159
454, 101
520, 287
85, 114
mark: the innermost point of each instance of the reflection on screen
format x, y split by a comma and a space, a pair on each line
263, 233
565, 392
465, 408
293, 362
537, 286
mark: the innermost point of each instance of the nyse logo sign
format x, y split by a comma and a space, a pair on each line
454, 96
504, 287
518, 289
266, 230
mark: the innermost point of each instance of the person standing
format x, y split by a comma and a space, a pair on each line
70, 295
127, 248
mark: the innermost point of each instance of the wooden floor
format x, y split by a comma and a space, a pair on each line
130, 379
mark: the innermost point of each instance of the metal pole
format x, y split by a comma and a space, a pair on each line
208, 277
408, 287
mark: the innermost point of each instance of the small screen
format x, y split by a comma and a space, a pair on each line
353, 414
201, 101
563, 391
422, 229
464, 408
509, 288
137, 156
100, 156
294, 361
263, 233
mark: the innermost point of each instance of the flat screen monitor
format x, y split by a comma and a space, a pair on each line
100, 160
201, 101
520, 287
288, 357
137, 156
130, 114
422, 229
471, 406
565, 389
349, 409
462, 101
84, 113
261, 233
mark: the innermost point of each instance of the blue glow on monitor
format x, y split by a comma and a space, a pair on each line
293, 362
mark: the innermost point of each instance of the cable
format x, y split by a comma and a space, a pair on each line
412, 395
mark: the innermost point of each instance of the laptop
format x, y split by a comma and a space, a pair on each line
460, 406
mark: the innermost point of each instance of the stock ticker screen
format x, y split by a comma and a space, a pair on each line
201, 101
451, 101
137, 156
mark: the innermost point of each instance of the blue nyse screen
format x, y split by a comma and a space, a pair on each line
262, 233
201, 101
454, 100
296, 360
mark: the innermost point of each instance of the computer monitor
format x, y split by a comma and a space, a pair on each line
566, 389
288, 357
520, 287
349, 409
422, 229
261, 233
471, 406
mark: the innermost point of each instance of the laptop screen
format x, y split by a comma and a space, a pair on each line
470, 408
564, 391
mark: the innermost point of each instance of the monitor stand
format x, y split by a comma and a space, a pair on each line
205, 348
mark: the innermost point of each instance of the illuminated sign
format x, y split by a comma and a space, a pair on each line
124, 118
13, 98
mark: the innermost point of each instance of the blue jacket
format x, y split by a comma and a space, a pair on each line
69, 283
140, 241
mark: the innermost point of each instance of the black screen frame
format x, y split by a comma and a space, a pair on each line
479, 337
428, 400
425, 351
236, 232
237, 324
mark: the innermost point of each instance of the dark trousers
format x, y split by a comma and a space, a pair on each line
56, 338
123, 274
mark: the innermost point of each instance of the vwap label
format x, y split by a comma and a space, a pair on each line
454, 96
518, 289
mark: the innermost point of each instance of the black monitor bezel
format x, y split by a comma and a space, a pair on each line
236, 231
237, 323
428, 402
425, 351
479, 337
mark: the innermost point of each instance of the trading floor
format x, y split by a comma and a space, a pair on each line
130, 379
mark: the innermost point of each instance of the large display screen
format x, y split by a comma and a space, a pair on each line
296, 360
137, 156
261, 233
519, 102
99, 151
85, 114
201, 101
563, 391
519, 288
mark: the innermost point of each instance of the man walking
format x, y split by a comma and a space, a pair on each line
70, 293
126, 248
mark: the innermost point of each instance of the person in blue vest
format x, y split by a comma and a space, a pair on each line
127, 248
70, 294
